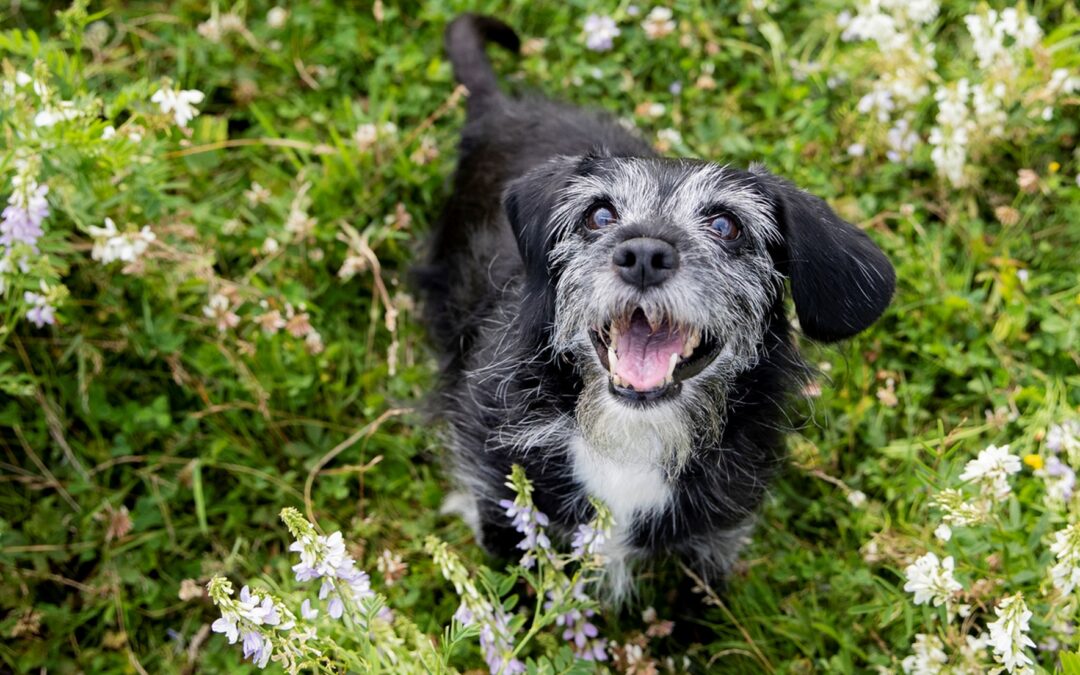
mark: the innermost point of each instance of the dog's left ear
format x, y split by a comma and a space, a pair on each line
841, 282
529, 202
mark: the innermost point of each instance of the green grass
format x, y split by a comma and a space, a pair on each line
134, 402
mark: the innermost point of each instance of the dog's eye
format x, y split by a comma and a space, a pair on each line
600, 216
725, 227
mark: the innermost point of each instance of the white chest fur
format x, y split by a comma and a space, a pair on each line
628, 488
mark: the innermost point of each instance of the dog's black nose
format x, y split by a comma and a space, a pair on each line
644, 261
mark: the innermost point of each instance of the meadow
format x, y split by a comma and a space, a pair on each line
210, 210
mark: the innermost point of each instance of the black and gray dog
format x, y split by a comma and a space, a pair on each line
614, 322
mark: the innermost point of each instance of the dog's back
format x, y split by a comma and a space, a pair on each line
472, 253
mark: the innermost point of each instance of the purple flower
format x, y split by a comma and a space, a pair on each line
587, 540
600, 32
583, 636
496, 640
528, 521
40, 312
336, 607
257, 648
22, 218
308, 612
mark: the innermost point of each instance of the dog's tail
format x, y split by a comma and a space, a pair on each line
465, 38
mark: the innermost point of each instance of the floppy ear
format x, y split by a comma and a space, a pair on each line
841, 282
529, 202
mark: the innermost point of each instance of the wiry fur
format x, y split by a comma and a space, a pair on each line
514, 284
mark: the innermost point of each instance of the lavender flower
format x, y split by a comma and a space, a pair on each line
26, 209
496, 634
528, 521
587, 540
583, 636
257, 648
40, 312
325, 557
253, 619
600, 32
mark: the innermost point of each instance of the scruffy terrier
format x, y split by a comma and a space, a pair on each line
614, 322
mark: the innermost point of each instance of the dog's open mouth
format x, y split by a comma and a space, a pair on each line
649, 360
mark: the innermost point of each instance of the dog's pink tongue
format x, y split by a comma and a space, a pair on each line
644, 356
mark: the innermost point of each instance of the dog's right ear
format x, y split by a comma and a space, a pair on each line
841, 281
529, 203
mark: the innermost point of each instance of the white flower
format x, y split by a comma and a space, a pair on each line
64, 110
856, 150
600, 32
1008, 635
943, 532
180, 104
1065, 436
668, 138
991, 470
111, 245
928, 657
367, 134
857, 498
931, 580
257, 194
270, 246
658, 23
958, 510
219, 309
1066, 572
108, 133
277, 17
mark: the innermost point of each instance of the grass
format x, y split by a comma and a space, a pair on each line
134, 407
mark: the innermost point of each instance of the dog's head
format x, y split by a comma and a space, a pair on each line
660, 276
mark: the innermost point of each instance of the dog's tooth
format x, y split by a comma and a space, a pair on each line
613, 360
613, 334
688, 348
618, 381
672, 360
693, 339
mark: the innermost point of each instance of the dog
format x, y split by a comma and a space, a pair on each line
614, 322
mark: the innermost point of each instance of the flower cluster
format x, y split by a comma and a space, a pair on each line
40, 312
257, 621
26, 210
1005, 643
496, 633
931, 580
579, 631
991, 471
325, 557
928, 655
600, 32
1066, 571
972, 109
111, 245
1008, 635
